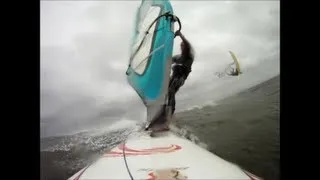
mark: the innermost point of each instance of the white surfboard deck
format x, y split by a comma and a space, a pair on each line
165, 156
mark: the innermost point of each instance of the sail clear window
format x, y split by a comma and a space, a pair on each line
140, 60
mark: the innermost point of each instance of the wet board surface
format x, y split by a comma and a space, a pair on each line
164, 156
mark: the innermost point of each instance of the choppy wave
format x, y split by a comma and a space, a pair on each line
102, 140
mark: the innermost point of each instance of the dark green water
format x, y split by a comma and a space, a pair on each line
243, 129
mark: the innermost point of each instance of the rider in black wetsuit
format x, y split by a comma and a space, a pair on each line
234, 72
181, 69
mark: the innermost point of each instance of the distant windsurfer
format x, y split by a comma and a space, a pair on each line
181, 68
235, 71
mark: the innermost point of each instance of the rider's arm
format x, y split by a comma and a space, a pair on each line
187, 46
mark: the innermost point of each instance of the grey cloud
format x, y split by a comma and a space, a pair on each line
66, 99
85, 113
100, 53
249, 28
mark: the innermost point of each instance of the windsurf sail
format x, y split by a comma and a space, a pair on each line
235, 60
151, 54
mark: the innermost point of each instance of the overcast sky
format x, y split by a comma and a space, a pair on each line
85, 50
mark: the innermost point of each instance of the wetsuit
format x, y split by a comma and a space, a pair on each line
234, 72
181, 70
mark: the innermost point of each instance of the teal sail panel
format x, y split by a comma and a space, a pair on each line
151, 53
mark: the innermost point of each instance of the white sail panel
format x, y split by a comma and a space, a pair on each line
140, 59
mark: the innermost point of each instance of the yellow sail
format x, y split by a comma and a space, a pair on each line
236, 62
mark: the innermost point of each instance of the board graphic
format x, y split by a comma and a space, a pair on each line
136, 152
